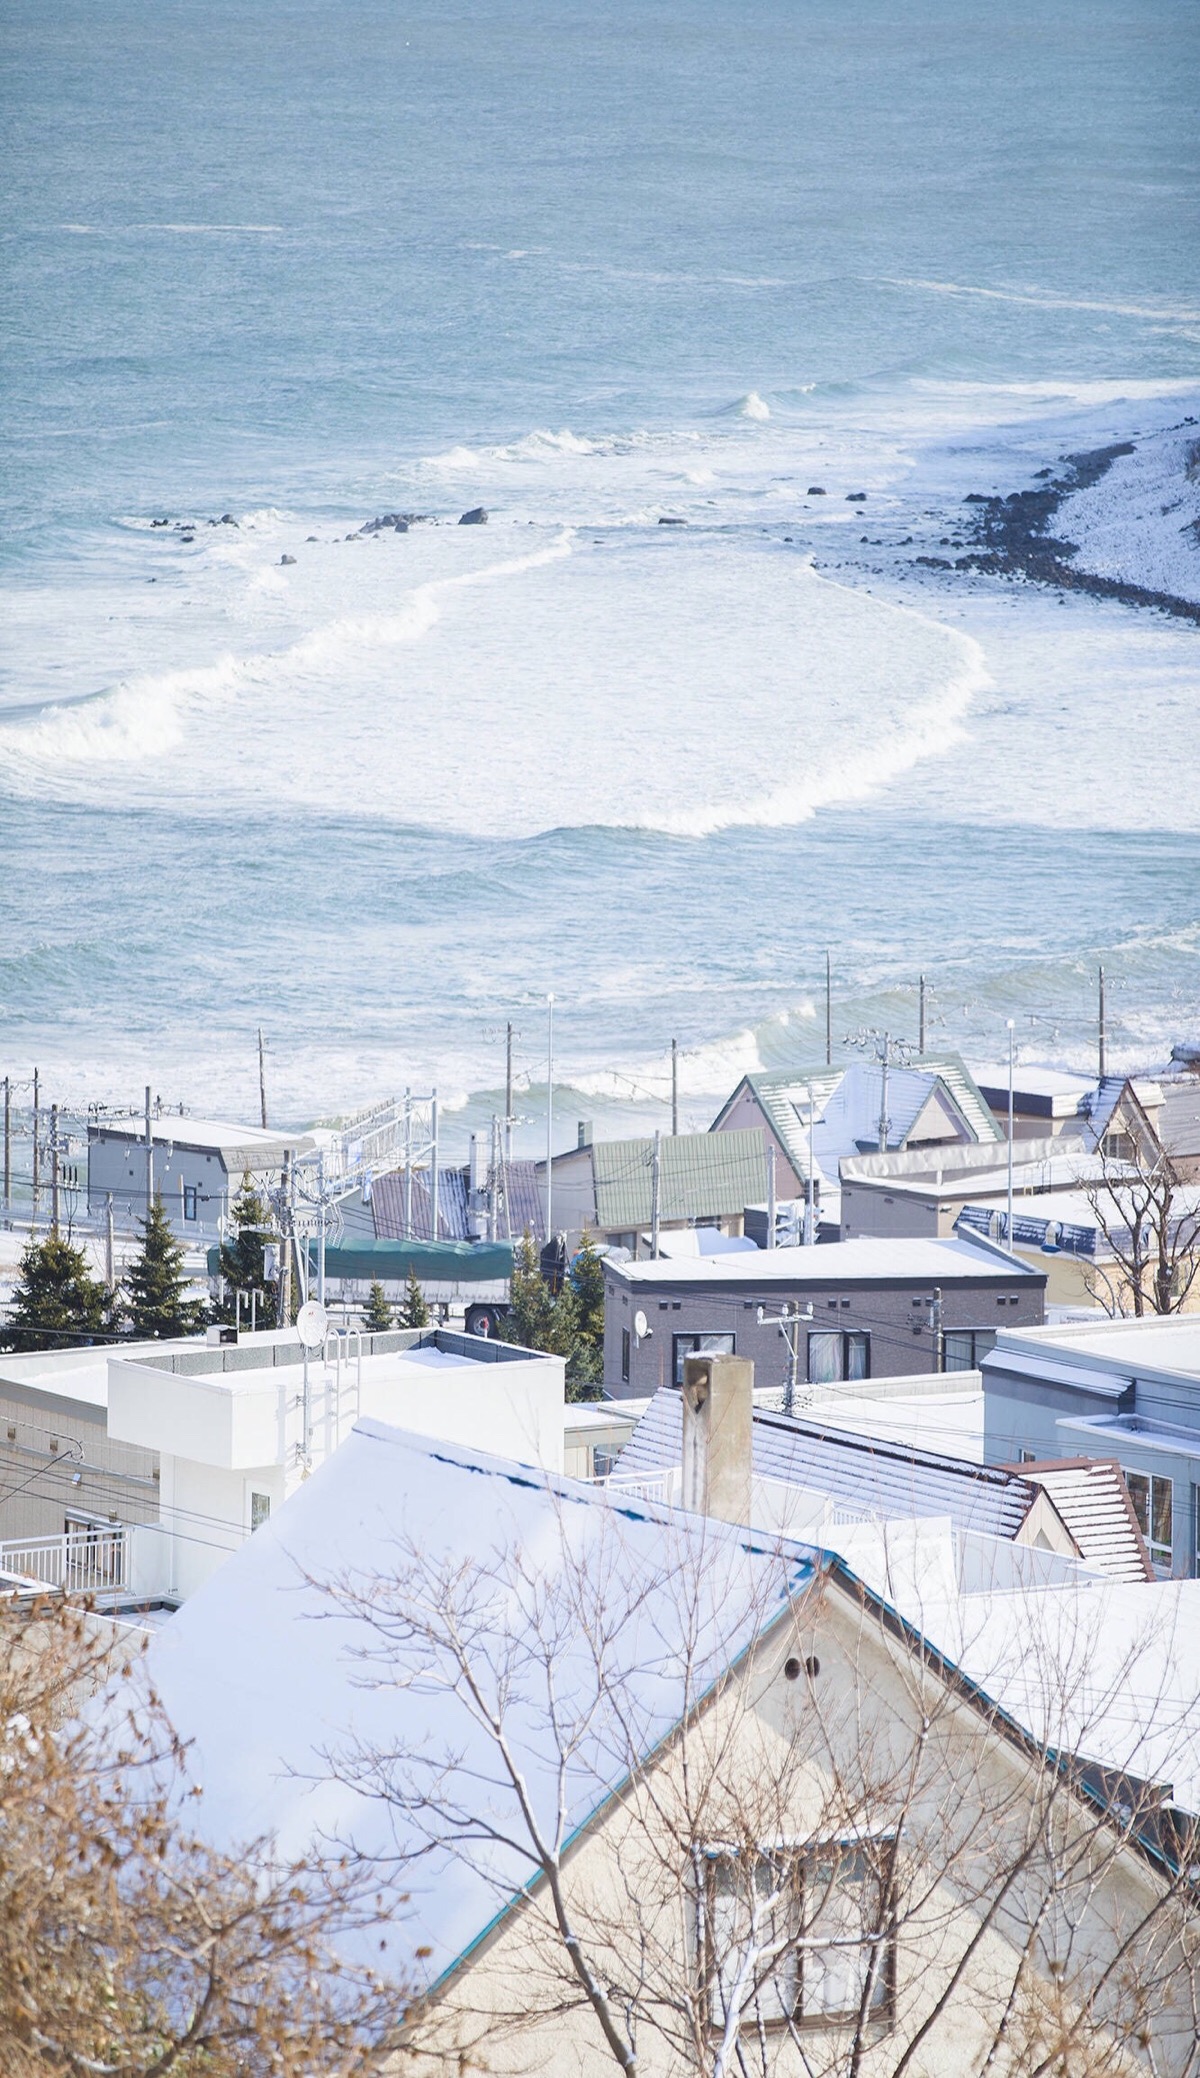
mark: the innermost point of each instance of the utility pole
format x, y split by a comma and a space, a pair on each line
285, 1244
508, 1093
36, 1151
789, 1322
549, 1118
7, 1143
770, 1194
433, 1167
810, 1224
921, 1020
110, 1268
674, 1089
655, 1193
408, 1165
54, 1170
262, 1080
939, 1339
828, 1013
885, 1123
1102, 1035
149, 1153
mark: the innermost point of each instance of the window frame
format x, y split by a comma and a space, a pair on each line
871, 1858
695, 1340
191, 1202
976, 1354
843, 1337
1151, 1481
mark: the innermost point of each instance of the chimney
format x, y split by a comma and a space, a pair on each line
718, 1409
585, 1134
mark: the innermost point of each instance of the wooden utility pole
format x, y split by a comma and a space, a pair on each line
262, 1081
7, 1142
674, 1089
54, 1170
1102, 1034
655, 1193
36, 1151
921, 1020
828, 1013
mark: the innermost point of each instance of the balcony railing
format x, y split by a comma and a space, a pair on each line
89, 1560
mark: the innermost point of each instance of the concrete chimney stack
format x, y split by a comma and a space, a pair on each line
718, 1415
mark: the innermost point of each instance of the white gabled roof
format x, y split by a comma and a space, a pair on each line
263, 1692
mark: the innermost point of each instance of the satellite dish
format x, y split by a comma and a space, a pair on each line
312, 1321
641, 1326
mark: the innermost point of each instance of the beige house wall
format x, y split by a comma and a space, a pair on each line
808, 1759
38, 1463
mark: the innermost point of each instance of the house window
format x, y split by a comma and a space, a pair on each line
1117, 1146
798, 1937
1153, 1504
964, 1349
260, 1509
698, 1345
626, 1349
835, 1354
191, 1200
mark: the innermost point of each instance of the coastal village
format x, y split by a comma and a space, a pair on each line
722, 1600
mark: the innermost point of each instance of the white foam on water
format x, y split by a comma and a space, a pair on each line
1044, 299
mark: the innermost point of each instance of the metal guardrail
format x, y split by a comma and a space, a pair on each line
84, 1560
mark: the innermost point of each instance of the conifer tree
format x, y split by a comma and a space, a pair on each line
537, 1319
241, 1259
56, 1303
414, 1313
378, 1313
157, 1306
585, 1365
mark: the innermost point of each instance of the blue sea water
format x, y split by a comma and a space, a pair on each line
592, 266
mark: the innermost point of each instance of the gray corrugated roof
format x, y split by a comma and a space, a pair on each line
702, 1176
891, 1481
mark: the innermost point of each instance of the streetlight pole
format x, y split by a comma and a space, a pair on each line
1010, 1135
550, 1118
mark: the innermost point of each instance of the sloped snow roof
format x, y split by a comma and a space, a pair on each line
846, 1103
264, 1691
883, 1479
1092, 1498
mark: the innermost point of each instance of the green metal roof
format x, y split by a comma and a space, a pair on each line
701, 1176
782, 1095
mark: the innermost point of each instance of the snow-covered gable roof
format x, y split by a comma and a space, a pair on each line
263, 1691
1092, 1498
935, 1097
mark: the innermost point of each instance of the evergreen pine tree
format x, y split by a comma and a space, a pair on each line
585, 1366
157, 1306
56, 1303
530, 1303
241, 1260
378, 1314
414, 1313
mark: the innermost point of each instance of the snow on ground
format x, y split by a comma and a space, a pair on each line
1141, 522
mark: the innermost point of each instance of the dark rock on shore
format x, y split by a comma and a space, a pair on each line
856, 497
476, 517
668, 520
287, 559
815, 490
1014, 537
394, 522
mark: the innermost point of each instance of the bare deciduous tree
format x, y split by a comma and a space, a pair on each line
1149, 1224
744, 1833
128, 1948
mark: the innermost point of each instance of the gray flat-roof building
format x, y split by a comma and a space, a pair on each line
1124, 1389
197, 1165
877, 1306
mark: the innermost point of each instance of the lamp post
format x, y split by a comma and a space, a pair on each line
1010, 1135
549, 1118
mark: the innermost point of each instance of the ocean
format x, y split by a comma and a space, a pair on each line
805, 282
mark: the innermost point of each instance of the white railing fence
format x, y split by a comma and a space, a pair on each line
89, 1559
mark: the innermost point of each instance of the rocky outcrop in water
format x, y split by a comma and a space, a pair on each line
476, 517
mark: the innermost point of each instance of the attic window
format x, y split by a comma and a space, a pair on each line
797, 1936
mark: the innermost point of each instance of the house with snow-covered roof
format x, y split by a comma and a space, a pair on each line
544, 1717
812, 1116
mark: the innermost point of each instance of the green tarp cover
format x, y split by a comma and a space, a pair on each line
435, 1262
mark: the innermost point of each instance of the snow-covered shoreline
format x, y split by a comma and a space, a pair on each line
1139, 524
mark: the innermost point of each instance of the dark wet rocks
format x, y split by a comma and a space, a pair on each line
389, 523
856, 497
667, 519
476, 517
815, 490
287, 561
1014, 537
